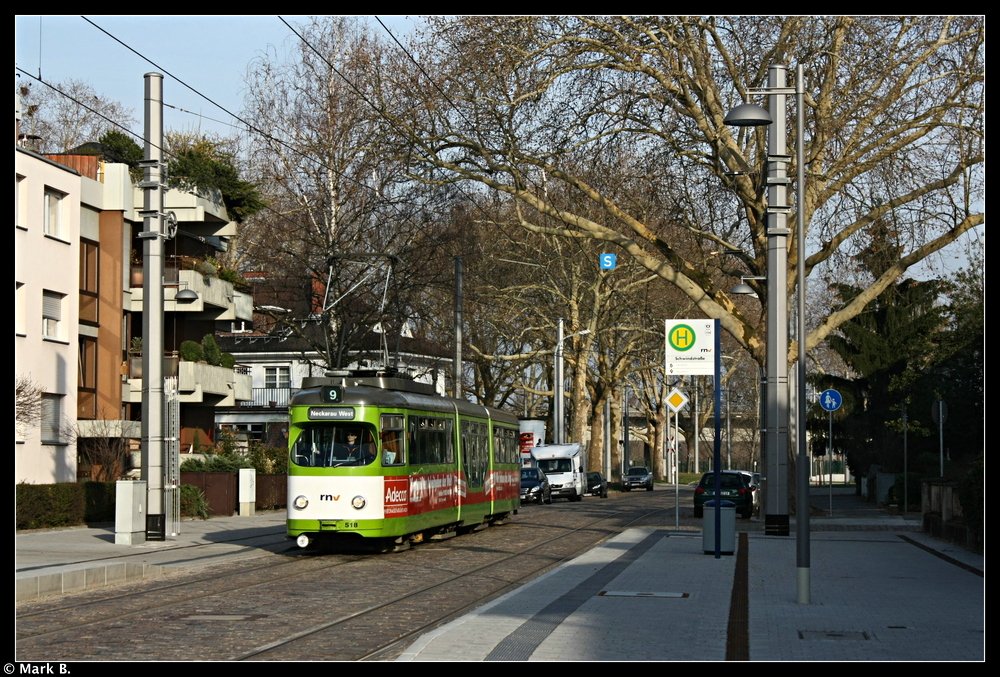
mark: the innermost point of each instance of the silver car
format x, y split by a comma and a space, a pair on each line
638, 476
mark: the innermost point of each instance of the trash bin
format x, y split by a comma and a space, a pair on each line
156, 527
727, 528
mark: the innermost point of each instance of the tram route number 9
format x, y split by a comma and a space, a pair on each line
332, 394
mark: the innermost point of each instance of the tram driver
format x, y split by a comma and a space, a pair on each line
360, 453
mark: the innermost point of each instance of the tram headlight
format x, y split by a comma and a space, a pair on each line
358, 502
300, 502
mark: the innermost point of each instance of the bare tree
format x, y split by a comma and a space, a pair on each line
27, 401
61, 116
895, 113
520, 284
349, 239
105, 448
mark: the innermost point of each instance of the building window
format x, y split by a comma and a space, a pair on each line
87, 379
21, 208
53, 208
52, 419
277, 377
243, 432
51, 314
20, 320
88, 282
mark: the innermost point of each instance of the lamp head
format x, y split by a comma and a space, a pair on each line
186, 295
743, 287
748, 115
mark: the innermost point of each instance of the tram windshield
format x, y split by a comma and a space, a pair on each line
332, 445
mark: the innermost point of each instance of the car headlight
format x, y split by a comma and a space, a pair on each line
535, 490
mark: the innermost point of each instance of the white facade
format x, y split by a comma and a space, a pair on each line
277, 374
46, 312
273, 368
60, 217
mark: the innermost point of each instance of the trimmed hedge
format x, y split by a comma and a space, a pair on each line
40, 506
45, 506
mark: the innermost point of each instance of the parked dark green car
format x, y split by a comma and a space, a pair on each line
734, 486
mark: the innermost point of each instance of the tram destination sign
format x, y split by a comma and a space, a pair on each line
331, 413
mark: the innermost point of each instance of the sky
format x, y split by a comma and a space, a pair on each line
208, 53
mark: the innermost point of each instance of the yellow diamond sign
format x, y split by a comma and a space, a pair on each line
676, 400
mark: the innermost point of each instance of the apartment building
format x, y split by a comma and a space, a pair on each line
78, 316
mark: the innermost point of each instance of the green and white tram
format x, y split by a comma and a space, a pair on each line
382, 457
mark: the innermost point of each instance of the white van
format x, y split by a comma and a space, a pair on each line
564, 465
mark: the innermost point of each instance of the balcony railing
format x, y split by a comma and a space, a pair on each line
273, 398
196, 382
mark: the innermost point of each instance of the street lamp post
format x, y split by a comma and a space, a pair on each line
777, 419
559, 420
697, 426
457, 363
802, 485
729, 429
557, 417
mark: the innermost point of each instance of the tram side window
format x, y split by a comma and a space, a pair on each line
466, 447
482, 450
447, 443
431, 441
392, 440
475, 454
505, 448
512, 446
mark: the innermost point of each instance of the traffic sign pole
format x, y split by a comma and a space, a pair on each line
676, 400
830, 400
829, 458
